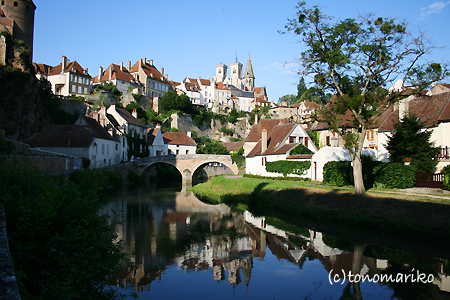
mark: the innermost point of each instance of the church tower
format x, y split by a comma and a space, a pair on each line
249, 78
221, 72
236, 73
17, 17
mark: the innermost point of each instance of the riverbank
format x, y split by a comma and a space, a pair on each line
393, 210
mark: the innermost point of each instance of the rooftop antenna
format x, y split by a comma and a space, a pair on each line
236, 57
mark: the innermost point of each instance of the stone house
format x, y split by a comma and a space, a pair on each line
179, 143
156, 144
120, 77
155, 82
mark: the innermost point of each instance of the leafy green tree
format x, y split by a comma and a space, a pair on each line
410, 140
110, 88
288, 167
172, 101
100, 100
233, 116
210, 146
290, 99
356, 60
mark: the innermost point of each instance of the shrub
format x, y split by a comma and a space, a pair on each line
338, 173
134, 177
300, 149
288, 167
395, 175
278, 178
446, 182
61, 247
226, 131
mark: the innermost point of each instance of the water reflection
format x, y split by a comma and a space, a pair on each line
180, 247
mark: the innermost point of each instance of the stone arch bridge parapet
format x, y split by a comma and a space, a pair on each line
187, 164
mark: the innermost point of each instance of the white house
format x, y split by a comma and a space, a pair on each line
179, 143
155, 140
275, 144
86, 139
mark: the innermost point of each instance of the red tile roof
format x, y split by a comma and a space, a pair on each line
274, 141
149, 70
71, 66
177, 138
117, 74
255, 132
221, 86
151, 134
431, 110
233, 146
129, 117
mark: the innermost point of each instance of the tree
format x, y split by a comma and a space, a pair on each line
110, 88
290, 99
172, 101
356, 60
409, 140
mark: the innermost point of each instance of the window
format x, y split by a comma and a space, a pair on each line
79, 90
74, 88
85, 90
16, 4
107, 149
178, 151
80, 80
306, 141
291, 139
328, 141
103, 149
187, 151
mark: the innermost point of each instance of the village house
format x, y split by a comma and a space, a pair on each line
67, 78
120, 77
274, 143
155, 82
179, 143
85, 140
155, 140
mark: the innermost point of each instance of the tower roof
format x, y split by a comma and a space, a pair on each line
249, 69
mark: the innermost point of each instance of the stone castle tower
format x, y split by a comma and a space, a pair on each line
236, 73
17, 18
221, 72
249, 78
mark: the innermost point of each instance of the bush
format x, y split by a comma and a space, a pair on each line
338, 173
300, 149
278, 178
288, 167
446, 182
61, 247
395, 175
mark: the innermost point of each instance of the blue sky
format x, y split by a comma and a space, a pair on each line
189, 38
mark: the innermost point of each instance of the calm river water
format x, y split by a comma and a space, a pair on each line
181, 248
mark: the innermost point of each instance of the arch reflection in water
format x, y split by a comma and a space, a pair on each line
180, 247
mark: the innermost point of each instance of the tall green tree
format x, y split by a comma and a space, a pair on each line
172, 101
290, 99
357, 60
410, 140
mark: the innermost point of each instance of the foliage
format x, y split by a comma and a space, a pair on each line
338, 173
290, 99
278, 178
446, 182
238, 158
153, 117
356, 60
52, 104
61, 247
172, 101
233, 139
315, 137
210, 146
135, 178
288, 167
233, 116
166, 173
86, 162
226, 131
100, 100
137, 97
409, 140
109, 88
395, 175
300, 149
173, 129
141, 114
6, 147
137, 146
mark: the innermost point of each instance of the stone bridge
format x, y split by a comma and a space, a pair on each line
189, 165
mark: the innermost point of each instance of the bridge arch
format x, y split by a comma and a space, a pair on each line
200, 167
145, 171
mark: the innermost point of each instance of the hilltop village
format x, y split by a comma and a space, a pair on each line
134, 110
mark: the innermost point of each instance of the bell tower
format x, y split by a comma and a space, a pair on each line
236, 73
249, 78
221, 72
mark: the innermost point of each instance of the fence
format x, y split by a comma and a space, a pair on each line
429, 180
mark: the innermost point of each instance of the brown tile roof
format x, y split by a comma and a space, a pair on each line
274, 141
151, 134
221, 86
149, 70
78, 135
430, 109
42, 68
446, 85
74, 65
205, 81
255, 132
129, 117
233, 146
260, 99
117, 74
177, 138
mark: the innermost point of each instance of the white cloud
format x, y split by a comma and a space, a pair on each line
434, 8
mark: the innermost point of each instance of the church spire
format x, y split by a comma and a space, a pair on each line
249, 78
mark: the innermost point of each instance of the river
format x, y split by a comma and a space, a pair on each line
181, 248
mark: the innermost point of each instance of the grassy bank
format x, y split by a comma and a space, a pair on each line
383, 210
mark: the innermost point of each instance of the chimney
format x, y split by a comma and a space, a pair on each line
110, 72
208, 77
158, 126
263, 140
128, 65
134, 113
189, 134
121, 66
144, 61
103, 110
86, 71
162, 71
69, 140
167, 77
151, 62
256, 118
100, 73
64, 64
